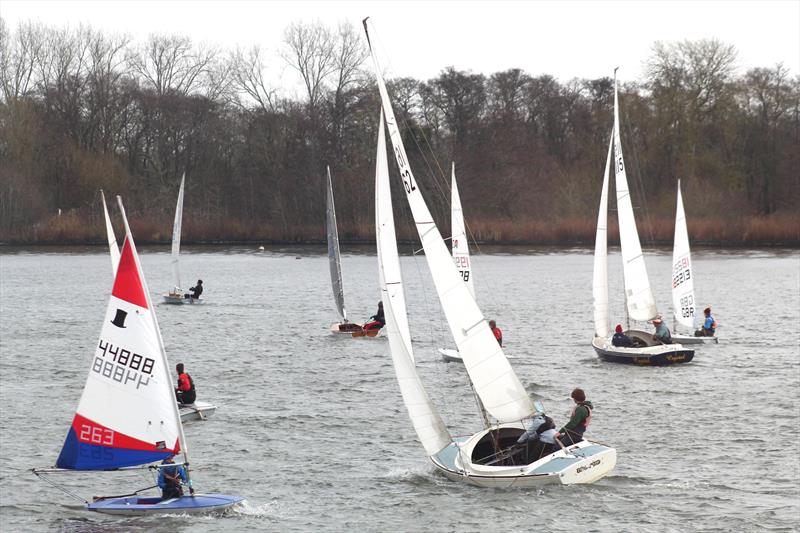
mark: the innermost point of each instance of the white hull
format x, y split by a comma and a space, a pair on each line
451, 356
691, 339
196, 411
179, 298
581, 463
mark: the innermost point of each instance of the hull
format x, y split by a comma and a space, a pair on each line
371, 333
691, 339
196, 411
353, 330
138, 506
581, 463
451, 356
179, 298
658, 355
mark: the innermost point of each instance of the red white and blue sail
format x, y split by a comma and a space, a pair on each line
126, 415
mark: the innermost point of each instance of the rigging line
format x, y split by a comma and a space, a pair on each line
69, 493
639, 181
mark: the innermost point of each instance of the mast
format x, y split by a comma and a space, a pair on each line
174, 403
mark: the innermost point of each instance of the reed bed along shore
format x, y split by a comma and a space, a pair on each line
73, 228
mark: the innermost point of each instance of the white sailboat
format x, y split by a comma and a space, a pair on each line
485, 458
683, 303
177, 295
128, 415
639, 301
460, 248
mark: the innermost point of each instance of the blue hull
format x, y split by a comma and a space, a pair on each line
135, 505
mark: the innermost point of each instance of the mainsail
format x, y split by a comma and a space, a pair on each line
460, 244
682, 277
112, 238
427, 423
600, 277
638, 295
176, 237
333, 253
127, 413
495, 382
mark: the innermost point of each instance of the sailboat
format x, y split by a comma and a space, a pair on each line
194, 411
177, 295
485, 458
460, 248
683, 302
335, 264
639, 301
127, 415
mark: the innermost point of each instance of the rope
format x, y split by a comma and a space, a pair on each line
62, 489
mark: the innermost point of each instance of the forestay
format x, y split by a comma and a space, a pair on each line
682, 276
427, 423
333, 252
460, 244
113, 248
499, 389
638, 295
600, 278
127, 414
176, 237
389, 271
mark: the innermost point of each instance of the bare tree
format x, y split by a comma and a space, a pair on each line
19, 54
311, 50
249, 77
170, 65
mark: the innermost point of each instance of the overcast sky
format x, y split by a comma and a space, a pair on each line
565, 39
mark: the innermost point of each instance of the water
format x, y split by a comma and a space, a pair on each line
311, 427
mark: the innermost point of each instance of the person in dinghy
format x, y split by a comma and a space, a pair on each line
377, 321
662, 331
196, 291
579, 419
171, 478
539, 437
185, 392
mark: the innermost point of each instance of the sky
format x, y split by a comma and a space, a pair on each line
565, 39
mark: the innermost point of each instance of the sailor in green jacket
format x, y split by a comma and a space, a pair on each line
579, 420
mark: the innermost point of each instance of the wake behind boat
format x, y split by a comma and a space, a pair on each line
643, 348
128, 415
487, 458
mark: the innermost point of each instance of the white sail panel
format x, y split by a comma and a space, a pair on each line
600, 275
388, 259
682, 277
495, 382
459, 243
176, 237
112, 238
126, 415
334, 261
638, 295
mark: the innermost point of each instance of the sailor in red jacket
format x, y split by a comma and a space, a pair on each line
497, 333
185, 392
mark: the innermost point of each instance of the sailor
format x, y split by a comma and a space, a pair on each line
709, 327
579, 419
377, 321
541, 434
498, 334
185, 392
197, 290
662, 331
620, 339
170, 479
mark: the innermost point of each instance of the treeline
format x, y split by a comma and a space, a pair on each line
84, 110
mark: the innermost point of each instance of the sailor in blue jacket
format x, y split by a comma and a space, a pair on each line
170, 479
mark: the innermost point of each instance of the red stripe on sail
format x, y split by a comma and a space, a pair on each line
91, 432
128, 284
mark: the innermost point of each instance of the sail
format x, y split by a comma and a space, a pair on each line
638, 295
127, 414
333, 253
176, 237
600, 277
429, 426
682, 277
460, 244
495, 382
112, 238
389, 271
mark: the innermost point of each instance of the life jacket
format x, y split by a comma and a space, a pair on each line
713, 324
184, 378
585, 423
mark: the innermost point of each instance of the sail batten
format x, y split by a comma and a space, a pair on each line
176, 236
640, 301
334, 260
683, 303
502, 394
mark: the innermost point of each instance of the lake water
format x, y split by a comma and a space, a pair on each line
311, 427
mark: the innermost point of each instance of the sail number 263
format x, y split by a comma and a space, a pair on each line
96, 435
405, 173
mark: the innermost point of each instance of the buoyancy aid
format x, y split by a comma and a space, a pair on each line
185, 383
585, 423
